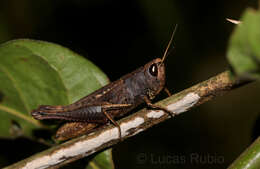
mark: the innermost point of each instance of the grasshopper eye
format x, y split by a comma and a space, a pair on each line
153, 70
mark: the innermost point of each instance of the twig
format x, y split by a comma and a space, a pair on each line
131, 125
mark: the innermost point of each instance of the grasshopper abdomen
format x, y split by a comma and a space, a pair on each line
84, 114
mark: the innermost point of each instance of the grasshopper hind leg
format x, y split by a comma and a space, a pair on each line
153, 106
115, 123
111, 107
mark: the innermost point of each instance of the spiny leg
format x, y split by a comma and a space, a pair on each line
110, 107
73, 129
115, 106
153, 106
114, 122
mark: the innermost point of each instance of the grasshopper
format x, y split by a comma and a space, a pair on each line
111, 101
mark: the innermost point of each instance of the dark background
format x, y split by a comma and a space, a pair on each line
119, 36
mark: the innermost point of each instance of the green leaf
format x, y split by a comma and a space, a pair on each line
244, 47
34, 73
102, 161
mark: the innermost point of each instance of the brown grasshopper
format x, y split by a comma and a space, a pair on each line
111, 101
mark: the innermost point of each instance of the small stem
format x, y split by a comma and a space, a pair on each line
249, 159
138, 122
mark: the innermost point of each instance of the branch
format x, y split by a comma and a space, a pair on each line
109, 135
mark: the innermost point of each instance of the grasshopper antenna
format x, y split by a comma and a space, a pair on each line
169, 44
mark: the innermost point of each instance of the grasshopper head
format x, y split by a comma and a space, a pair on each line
155, 70
155, 73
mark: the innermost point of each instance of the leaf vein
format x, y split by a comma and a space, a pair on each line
20, 115
17, 88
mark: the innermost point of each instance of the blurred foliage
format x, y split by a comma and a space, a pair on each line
102, 161
244, 57
244, 50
